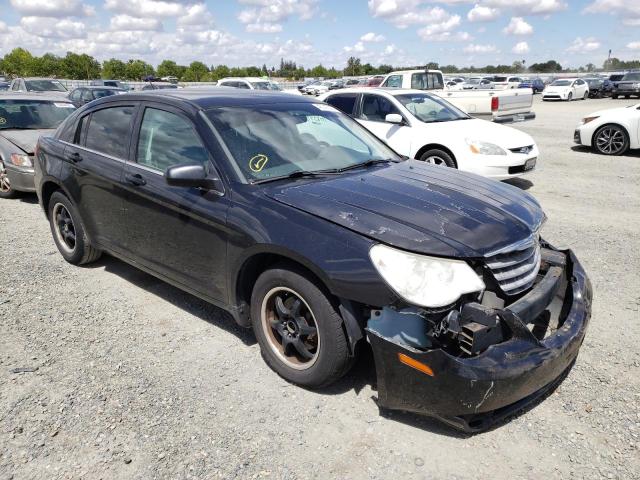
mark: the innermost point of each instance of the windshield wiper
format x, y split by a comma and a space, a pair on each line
296, 174
368, 163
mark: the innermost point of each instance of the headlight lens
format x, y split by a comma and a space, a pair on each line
21, 160
636, 85
422, 280
484, 148
588, 119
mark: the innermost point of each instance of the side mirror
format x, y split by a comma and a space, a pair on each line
394, 118
193, 175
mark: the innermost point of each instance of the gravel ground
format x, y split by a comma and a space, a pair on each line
130, 378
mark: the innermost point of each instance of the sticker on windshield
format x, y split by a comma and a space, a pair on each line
257, 162
64, 105
3, 120
324, 107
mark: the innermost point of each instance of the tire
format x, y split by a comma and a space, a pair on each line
610, 140
306, 308
438, 157
68, 231
5, 187
570, 97
614, 96
586, 94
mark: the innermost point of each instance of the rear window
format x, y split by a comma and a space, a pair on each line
33, 114
615, 78
44, 86
109, 130
345, 103
427, 81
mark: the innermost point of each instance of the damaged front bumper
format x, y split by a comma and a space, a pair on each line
472, 392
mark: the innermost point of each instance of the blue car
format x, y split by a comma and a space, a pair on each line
536, 84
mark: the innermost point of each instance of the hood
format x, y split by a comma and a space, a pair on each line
619, 112
477, 129
557, 89
421, 208
25, 140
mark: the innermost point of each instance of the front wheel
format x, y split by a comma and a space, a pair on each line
586, 94
68, 231
570, 96
298, 328
611, 140
436, 156
614, 96
5, 186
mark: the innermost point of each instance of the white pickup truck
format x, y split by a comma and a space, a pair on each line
502, 106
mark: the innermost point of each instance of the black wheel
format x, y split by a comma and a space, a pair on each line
611, 140
68, 231
298, 328
570, 96
614, 96
438, 157
585, 96
627, 96
5, 186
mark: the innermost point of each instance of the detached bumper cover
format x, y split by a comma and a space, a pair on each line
21, 179
472, 393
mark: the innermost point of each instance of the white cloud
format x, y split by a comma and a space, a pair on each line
52, 8
520, 48
3, 27
403, 13
372, 37
518, 26
357, 48
633, 46
472, 48
389, 49
480, 13
128, 23
580, 45
47, 28
197, 14
530, 7
145, 8
266, 16
441, 31
628, 10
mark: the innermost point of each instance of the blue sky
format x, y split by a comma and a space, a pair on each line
397, 32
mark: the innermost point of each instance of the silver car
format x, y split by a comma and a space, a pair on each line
24, 117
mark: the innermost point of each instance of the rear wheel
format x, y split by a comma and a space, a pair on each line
68, 231
614, 96
436, 156
298, 328
611, 140
5, 186
586, 94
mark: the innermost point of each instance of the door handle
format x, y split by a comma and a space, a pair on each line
75, 157
135, 179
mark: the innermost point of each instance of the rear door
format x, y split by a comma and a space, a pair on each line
371, 114
177, 232
95, 165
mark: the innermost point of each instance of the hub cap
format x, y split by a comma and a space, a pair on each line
610, 140
64, 228
290, 328
435, 160
5, 186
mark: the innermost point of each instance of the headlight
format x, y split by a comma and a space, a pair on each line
422, 280
484, 148
588, 119
636, 85
21, 160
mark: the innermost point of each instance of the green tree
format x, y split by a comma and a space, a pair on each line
48, 65
196, 72
137, 70
18, 62
169, 68
80, 66
318, 71
354, 67
114, 69
254, 72
219, 71
550, 66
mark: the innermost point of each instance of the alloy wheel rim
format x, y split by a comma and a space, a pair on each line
290, 328
5, 186
435, 160
610, 140
64, 228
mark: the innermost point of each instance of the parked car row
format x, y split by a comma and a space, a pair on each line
318, 234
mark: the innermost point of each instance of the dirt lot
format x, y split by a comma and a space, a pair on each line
135, 379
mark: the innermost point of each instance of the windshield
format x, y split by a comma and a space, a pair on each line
33, 114
275, 86
427, 81
631, 76
561, 83
106, 92
430, 109
261, 85
274, 140
44, 86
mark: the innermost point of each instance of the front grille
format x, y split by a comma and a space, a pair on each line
516, 270
523, 150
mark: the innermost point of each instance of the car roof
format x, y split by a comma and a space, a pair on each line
248, 79
38, 78
34, 96
389, 90
206, 98
98, 87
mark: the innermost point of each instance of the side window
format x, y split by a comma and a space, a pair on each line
109, 129
168, 139
375, 108
80, 129
243, 85
394, 81
343, 102
75, 95
16, 85
87, 96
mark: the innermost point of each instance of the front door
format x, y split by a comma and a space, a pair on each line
177, 232
373, 111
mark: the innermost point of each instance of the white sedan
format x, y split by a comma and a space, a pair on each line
566, 89
426, 127
612, 131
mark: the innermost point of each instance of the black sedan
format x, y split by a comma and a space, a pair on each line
306, 227
82, 95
